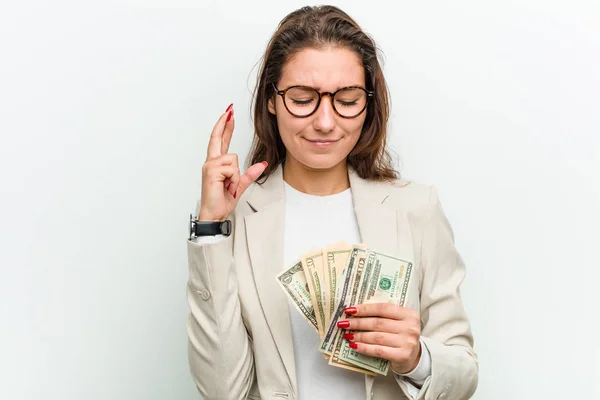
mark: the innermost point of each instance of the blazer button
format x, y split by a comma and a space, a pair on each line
204, 294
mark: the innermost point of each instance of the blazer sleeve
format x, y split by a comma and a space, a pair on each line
445, 327
219, 351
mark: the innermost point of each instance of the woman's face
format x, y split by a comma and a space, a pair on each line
324, 139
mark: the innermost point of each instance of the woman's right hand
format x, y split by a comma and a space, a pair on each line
222, 184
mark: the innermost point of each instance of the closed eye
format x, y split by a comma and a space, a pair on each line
302, 102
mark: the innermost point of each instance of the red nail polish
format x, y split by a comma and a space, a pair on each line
227, 188
229, 108
235, 195
351, 310
349, 336
229, 115
266, 164
353, 346
343, 324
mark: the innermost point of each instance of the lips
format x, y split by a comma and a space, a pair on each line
323, 140
322, 143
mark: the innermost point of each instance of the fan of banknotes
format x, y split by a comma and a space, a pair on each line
324, 281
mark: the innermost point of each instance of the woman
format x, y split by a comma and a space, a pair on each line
320, 173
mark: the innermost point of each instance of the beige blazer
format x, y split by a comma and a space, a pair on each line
240, 339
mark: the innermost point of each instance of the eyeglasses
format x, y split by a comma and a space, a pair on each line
303, 101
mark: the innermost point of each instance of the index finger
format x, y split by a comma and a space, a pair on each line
383, 310
216, 138
228, 131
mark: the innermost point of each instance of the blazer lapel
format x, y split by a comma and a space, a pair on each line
377, 222
264, 233
383, 227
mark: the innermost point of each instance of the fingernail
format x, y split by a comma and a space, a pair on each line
351, 310
229, 115
229, 108
349, 336
235, 195
343, 324
227, 188
266, 164
353, 346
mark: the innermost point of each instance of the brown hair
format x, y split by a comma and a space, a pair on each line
317, 27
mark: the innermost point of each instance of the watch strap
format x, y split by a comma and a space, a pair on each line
209, 228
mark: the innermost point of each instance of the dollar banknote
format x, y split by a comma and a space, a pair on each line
335, 257
324, 281
293, 283
342, 262
312, 262
384, 279
348, 366
355, 260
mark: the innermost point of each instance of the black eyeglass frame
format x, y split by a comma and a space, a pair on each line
320, 95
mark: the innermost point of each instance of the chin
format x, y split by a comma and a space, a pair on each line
321, 163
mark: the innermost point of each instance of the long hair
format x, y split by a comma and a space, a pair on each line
319, 27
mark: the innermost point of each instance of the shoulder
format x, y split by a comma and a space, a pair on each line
411, 196
421, 204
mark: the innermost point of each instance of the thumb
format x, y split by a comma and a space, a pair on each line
250, 176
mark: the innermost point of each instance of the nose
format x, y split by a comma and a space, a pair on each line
324, 117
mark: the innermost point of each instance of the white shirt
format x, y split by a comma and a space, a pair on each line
312, 222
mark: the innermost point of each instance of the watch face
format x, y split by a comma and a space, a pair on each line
226, 228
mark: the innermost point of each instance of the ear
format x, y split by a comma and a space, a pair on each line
271, 105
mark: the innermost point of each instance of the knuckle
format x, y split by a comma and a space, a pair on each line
416, 326
379, 324
378, 351
412, 341
414, 331
406, 353
378, 338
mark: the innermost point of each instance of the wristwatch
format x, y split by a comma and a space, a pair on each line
202, 228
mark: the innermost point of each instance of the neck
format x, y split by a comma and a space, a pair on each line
317, 182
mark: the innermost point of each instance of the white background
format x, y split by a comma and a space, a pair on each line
105, 112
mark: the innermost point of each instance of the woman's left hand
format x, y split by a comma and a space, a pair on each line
386, 331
